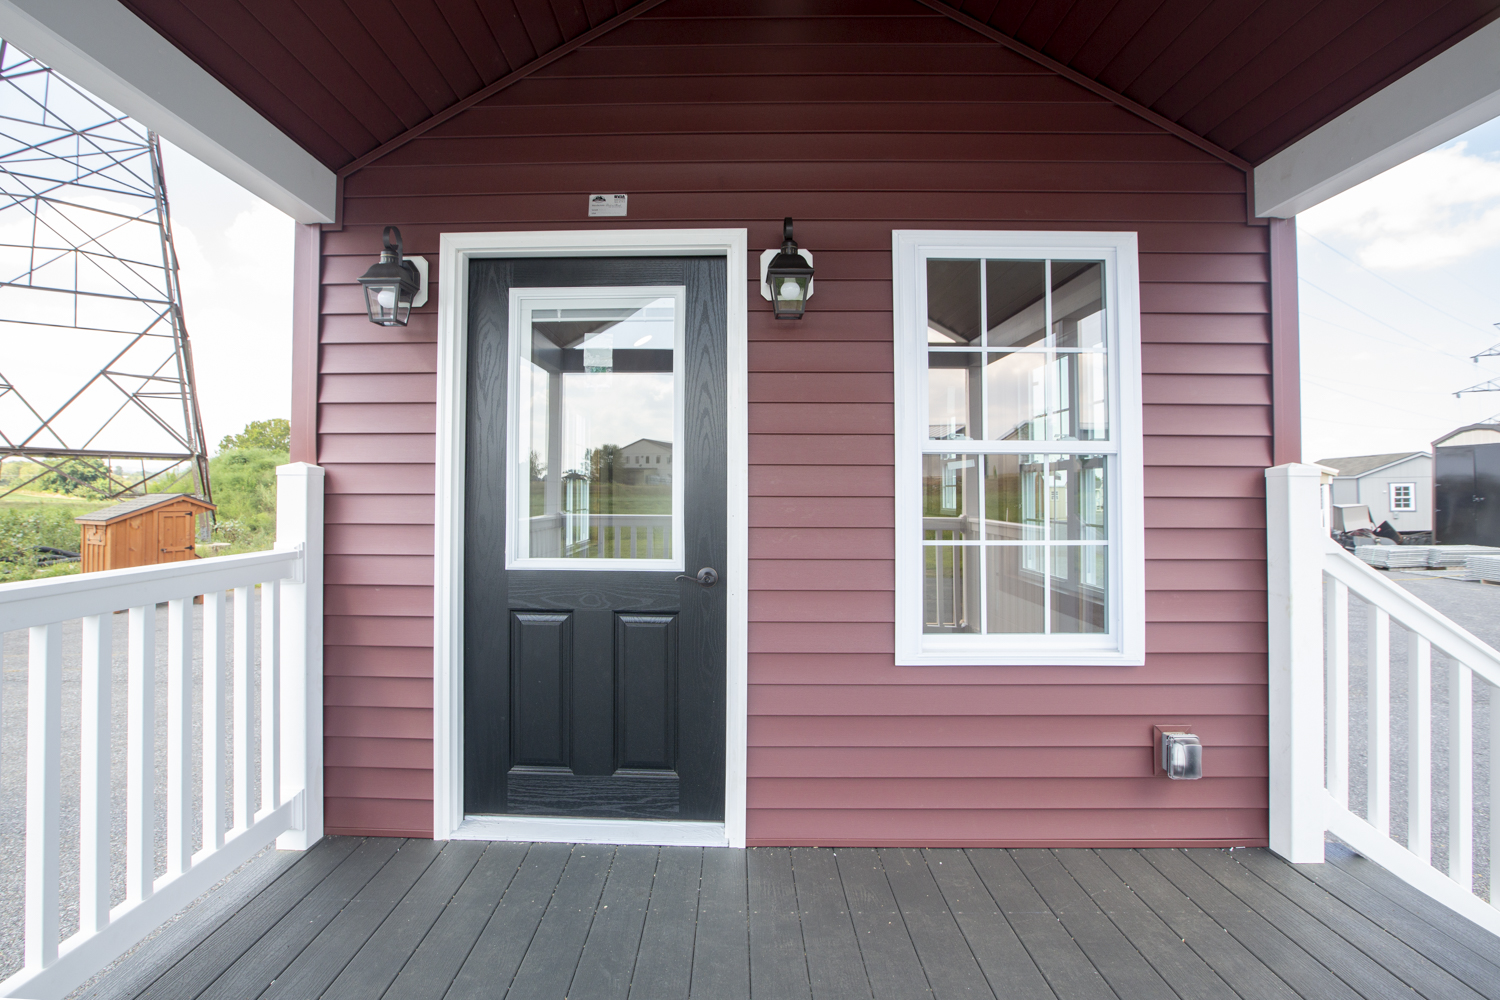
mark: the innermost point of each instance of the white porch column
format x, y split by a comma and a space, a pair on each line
1295, 543
299, 521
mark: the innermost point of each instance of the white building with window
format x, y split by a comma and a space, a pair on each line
1397, 487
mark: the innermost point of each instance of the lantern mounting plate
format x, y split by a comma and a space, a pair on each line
420, 299
765, 261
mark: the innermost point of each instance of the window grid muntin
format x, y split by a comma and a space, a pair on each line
1404, 496
1107, 448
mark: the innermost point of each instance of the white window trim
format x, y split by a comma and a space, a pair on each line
910, 249
456, 251
1391, 498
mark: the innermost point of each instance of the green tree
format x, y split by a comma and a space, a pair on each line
268, 435
77, 477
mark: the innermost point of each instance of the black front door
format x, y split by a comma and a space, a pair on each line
594, 679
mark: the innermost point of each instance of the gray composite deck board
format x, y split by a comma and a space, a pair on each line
721, 949
608, 962
1397, 957
664, 964
834, 966
1170, 956
388, 919
778, 957
948, 961
1007, 967
890, 956
1481, 973
1365, 975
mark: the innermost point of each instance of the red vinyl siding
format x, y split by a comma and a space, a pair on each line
854, 125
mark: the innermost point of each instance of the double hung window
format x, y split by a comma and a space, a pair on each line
1403, 496
1019, 535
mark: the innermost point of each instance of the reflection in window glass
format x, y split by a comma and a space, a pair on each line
1013, 497
1079, 589
1015, 589
950, 497
950, 588
953, 394
953, 302
1014, 302
598, 387
1017, 388
1077, 304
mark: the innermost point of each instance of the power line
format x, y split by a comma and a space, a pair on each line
1380, 277
1351, 305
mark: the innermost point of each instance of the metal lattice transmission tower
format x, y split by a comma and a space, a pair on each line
95, 362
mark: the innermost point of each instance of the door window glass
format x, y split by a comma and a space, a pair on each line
597, 407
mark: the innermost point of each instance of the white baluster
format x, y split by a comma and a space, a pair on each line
1461, 775
1336, 699
632, 541
140, 757
270, 695
1378, 684
244, 660
1494, 796
179, 736
213, 721
1419, 747
93, 775
43, 792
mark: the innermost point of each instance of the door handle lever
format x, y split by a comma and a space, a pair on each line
707, 577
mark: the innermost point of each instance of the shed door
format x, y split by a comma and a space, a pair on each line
593, 662
175, 536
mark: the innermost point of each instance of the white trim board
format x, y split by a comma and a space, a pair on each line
567, 830
457, 249
1439, 100
114, 55
1126, 644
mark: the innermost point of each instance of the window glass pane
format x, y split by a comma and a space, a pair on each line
1014, 306
1013, 497
950, 588
1017, 388
1077, 304
950, 497
953, 396
1083, 382
1079, 587
598, 390
1014, 588
1076, 498
953, 302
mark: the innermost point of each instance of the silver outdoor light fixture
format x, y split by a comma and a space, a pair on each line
395, 284
786, 276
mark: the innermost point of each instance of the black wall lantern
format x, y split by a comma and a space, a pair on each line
786, 276
395, 284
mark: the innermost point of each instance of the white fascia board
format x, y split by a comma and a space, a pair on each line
108, 51
1443, 98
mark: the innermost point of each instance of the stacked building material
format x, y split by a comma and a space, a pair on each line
1445, 556
1393, 556
1485, 569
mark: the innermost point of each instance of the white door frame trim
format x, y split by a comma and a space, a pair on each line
457, 249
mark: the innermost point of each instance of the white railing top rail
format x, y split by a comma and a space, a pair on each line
1412, 612
41, 602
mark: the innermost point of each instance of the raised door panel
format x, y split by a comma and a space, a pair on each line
541, 667
646, 692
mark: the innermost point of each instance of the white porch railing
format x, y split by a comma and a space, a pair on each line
1310, 580
288, 745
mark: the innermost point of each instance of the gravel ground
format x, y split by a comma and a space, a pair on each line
1476, 607
13, 770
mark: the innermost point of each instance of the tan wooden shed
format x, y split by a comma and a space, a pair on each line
157, 528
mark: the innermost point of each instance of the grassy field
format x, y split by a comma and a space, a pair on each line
29, 519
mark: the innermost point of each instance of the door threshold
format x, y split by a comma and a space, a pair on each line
571, 830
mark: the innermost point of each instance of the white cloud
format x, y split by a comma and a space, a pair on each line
1430, 211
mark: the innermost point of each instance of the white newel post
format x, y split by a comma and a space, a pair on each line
299, 521
1295, 545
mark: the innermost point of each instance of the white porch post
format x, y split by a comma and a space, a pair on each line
299, 521
1295, 543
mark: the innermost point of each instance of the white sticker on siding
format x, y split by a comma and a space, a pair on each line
607, 204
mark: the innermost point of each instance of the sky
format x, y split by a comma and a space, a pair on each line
234, 252
1399, 288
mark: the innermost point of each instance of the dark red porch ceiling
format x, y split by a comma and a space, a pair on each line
341, 77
